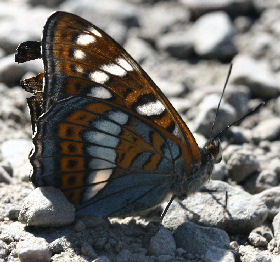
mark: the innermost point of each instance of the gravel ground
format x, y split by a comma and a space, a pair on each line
186, 47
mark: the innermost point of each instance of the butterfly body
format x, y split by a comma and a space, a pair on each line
103, 131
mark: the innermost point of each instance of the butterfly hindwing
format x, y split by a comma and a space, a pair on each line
104, 157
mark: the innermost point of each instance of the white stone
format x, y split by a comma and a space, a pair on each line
213, 35
33, 249
256, 75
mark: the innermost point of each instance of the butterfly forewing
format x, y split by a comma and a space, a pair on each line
80, 59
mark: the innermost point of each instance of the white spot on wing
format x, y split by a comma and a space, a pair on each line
79, 54
118, 117
100, 92
94, 178
102, 152
95, 32
124, 64
151, 108
85, 39
100, 138
79, 69
98, 77
114, 69
107, 126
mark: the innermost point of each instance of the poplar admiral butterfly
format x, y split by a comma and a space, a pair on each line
103, 132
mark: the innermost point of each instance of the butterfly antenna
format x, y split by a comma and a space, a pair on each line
237, 122
218, 107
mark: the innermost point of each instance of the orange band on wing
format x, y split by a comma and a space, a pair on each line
71, 163
69, 131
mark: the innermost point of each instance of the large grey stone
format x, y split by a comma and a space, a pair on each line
226, 207
256, 75
200, 240
46, 207
267, 129
213, 36
162, 243
33, 250
241, 163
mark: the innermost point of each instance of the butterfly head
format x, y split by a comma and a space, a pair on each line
213, 150
211, 154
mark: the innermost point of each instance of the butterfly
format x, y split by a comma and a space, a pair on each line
103, 132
